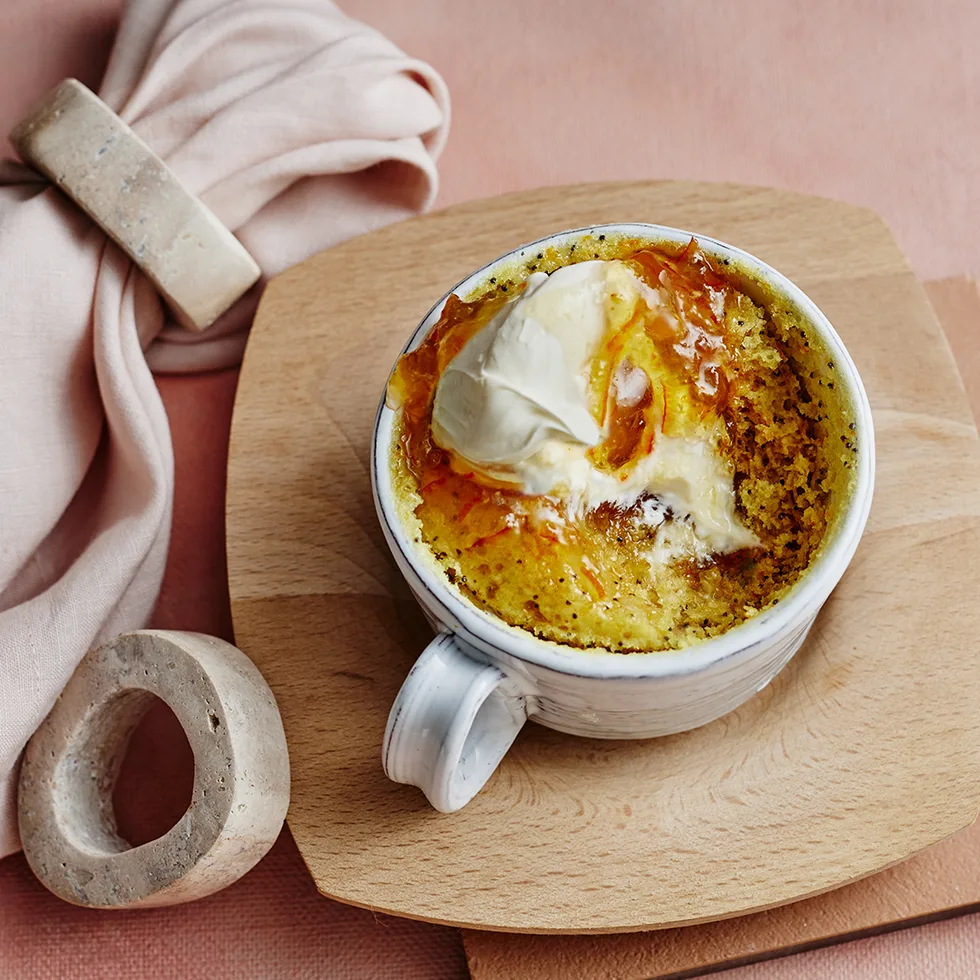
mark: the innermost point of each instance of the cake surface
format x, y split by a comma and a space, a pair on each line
696, 391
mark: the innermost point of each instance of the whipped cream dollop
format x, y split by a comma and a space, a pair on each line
514, 404
521, 382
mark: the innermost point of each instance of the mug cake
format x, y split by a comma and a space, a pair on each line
610, 445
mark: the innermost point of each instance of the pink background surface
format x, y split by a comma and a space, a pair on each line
878, 106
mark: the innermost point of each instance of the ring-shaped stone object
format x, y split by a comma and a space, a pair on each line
80, 144
241, 773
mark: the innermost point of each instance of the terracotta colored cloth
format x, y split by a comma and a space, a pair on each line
875, 103
298, 127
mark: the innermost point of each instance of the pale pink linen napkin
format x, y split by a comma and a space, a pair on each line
298, 127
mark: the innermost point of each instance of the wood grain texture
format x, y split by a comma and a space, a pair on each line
957, 304
940, 882
863, 752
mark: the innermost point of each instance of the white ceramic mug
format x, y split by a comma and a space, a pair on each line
480, 679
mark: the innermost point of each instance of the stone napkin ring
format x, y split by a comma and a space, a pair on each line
86, 150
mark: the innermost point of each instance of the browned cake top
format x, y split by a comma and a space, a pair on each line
698, 369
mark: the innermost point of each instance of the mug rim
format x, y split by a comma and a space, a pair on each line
806, 595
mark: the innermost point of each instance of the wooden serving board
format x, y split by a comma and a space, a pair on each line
942, 881
863, 752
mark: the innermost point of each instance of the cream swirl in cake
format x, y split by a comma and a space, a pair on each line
514, 403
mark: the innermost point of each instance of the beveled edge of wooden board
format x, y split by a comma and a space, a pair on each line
860, 215
708, 969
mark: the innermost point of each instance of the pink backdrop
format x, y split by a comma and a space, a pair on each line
876, 103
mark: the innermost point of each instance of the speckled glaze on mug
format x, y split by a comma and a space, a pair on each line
472, 689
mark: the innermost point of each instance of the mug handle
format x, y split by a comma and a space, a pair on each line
452, 722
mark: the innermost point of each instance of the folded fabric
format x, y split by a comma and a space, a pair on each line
298, 127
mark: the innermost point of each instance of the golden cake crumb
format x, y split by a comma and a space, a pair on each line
771, 403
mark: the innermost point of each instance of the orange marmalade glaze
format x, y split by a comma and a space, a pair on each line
711, 357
